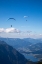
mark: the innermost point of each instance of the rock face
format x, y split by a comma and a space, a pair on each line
9, 55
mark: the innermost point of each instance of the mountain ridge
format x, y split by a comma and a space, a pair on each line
9, 55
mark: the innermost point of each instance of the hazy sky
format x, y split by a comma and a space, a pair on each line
18, 9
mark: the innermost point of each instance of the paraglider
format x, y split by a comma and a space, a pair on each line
12, 19
26, 17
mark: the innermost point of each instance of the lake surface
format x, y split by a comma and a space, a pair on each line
30, 57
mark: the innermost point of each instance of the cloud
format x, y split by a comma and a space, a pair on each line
13, 32
25, 16
40, 34
9, 30
29, 31
1, 30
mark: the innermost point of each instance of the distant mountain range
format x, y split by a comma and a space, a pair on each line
21, 42
26, 45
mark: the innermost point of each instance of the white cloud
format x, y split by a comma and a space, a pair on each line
13, 32
25, 16
9, 30
29, 31
1, 30
40, 34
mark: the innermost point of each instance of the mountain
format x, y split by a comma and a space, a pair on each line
33, 41
8, 55
39, 62
35, 50
21, 42
16, 42
26, 45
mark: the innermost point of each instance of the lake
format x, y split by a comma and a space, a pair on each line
30, 57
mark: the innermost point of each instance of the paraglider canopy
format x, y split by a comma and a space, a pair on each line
11, 19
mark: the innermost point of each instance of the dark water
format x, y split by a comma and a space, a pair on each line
31, 57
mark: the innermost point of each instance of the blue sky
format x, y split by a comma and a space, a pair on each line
18, 9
